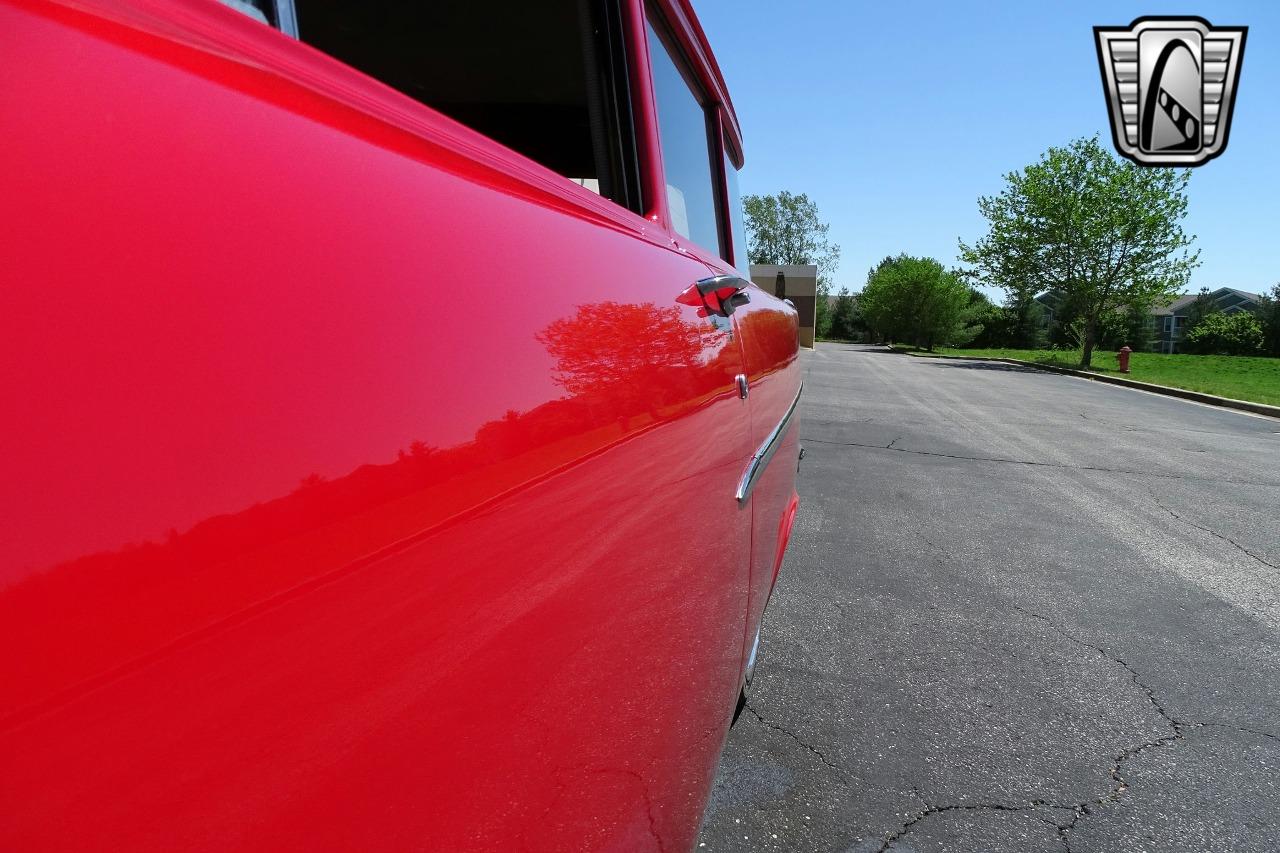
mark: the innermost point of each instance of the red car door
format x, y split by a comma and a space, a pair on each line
368, 485
768, 333
698, 133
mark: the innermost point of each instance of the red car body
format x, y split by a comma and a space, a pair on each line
367, 485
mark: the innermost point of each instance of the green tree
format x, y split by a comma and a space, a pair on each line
1103, 232
915, 300
1226, 334
1202, 306
823, 313
868, 320
843, 318
990, 317
1025, 322
1269, 316
786, 229
1133, 328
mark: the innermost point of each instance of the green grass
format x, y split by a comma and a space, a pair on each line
1241, 377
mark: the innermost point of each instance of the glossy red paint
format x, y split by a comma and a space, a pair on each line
367, 486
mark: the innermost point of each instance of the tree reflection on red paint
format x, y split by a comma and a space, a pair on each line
608, 342
624, 366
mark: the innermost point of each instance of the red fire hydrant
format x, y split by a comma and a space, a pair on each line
1124, 359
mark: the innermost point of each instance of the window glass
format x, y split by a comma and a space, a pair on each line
739, 231
541, 78
686, 152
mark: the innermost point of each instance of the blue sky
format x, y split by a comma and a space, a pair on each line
895, 116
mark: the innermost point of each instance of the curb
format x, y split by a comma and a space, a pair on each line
1167, 390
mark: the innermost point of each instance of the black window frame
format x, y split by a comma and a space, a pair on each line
617, 108
731, 152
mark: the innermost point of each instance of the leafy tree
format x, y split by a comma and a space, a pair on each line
916, 300
868, 320
1269, 316
990, 317
1124, 325
1226, 334
823, 311
786, 229
1024, 321
1202, 306
843, 319
1131, 327
1103, 232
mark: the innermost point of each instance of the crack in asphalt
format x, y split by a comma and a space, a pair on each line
1091, 419
940, 555
1147, 689
1257, 732
1035, 464
829, 598
810, 747
1212, 532
1119, 784
931, 809
1177, 727
1157, 430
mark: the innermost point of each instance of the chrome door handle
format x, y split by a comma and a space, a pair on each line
720, 294
718, 282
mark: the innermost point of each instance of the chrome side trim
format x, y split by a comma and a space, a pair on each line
762, 456
751, 660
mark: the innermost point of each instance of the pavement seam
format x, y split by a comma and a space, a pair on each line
1032, 463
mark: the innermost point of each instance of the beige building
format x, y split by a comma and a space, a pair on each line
797, 282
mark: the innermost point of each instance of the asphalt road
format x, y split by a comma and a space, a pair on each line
1021, 612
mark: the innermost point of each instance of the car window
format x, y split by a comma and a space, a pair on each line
545, 79
686, 150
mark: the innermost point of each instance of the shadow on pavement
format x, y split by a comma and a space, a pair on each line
878, 349
987, 365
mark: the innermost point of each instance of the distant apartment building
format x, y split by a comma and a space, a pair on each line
1169, 322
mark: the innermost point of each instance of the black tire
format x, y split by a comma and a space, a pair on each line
737, 711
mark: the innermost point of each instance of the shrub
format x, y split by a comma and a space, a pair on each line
1226, 334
